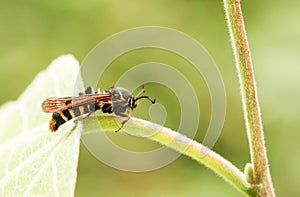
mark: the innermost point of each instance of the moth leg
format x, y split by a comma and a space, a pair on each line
85, 116
124, 121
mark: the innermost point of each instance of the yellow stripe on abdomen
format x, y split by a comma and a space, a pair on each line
63, 116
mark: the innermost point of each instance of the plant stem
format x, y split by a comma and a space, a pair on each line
261, 174
176, 141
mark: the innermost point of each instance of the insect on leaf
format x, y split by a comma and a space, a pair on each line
35, 162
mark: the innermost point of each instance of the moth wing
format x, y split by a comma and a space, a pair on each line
54, 104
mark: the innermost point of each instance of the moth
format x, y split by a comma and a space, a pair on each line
115, 100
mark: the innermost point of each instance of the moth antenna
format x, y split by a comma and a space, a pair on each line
146, 97
141, 92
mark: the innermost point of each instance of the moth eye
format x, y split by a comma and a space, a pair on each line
116, 95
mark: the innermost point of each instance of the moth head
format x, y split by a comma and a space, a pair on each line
133, 103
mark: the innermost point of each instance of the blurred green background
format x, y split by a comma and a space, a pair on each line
33, 33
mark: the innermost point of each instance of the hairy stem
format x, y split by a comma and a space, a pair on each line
261, 174
176, 141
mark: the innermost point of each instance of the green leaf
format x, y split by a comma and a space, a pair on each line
35, 162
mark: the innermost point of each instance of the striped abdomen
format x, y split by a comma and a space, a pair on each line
60, 117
